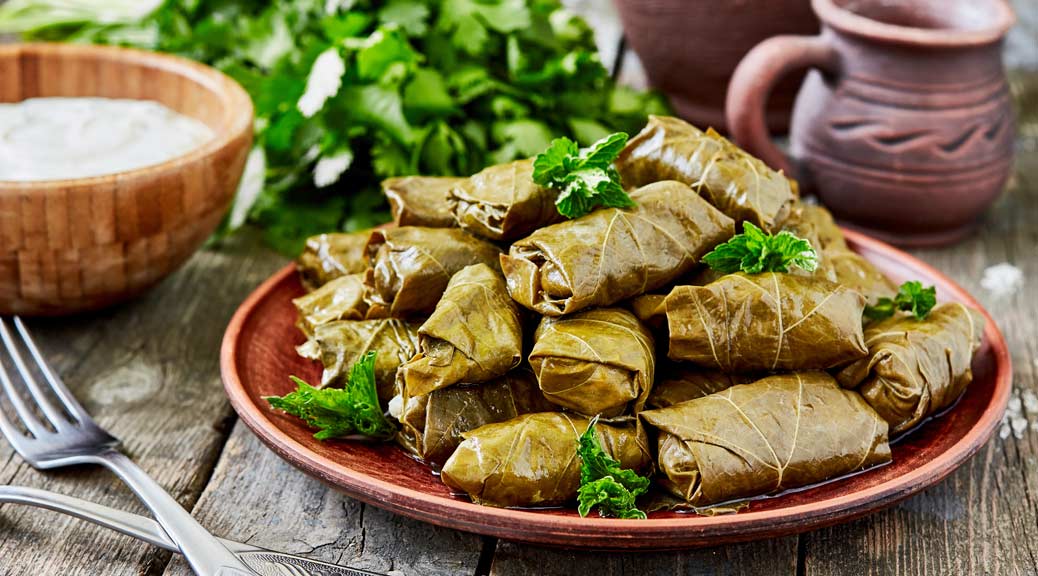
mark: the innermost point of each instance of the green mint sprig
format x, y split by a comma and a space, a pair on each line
911, 297
584, 177
755, 251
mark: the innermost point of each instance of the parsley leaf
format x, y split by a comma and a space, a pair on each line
911, 297
340, 412
612, 498
519, 139
755, 251
585, 177
409, 15
471, 21
604, 483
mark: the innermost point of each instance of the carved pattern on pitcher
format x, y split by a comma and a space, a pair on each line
958, 142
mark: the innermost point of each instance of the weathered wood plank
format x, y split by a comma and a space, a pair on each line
770, 557
984, 518
256, 497
148, 371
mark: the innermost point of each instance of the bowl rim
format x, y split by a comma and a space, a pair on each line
611, 534
235, 101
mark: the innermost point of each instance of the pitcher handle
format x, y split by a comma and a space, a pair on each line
756, 75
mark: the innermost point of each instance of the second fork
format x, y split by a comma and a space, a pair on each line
67, 436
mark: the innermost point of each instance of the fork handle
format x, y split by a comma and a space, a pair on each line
203, 551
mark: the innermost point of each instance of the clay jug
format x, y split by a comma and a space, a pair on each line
904, 126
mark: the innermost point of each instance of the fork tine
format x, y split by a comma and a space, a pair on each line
51, 410
31, 422
67, 399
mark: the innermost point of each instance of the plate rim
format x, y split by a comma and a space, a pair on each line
607, 533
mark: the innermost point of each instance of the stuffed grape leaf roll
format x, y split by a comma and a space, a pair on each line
338, 299
846, 267
651, 309
411, 266
855, 272
613, 254
916, 368
503, 203
532, 460
598, 361
432, 425
824, 227
805, 229
329, 256
420, 200
473, 335
338, 345
778, 433
678, 382
735, 182
765, 322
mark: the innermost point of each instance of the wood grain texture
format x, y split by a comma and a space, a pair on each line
984, 518
79, 244
148, 372
771, 557
256, 497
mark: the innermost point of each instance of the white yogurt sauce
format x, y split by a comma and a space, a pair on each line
58, 138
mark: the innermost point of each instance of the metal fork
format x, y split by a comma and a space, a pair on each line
74, 438
263, 561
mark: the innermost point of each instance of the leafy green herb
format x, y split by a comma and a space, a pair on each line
911, 297
755, 251
604, 483
336, 412
435, 87
585, 177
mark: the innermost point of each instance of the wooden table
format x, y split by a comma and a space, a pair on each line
148, 371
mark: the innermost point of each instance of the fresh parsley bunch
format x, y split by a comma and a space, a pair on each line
604, 483
348, 92
339, 412
755, 251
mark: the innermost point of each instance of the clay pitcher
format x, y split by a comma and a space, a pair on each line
904, 126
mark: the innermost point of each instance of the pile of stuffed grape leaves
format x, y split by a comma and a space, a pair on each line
594, 325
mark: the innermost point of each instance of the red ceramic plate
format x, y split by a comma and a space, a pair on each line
258, 355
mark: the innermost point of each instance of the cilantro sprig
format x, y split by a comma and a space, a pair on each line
911, 297
755, 251
584, 177
604, 483
337, 412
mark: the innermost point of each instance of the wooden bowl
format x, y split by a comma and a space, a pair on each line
258, 355
85, 243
